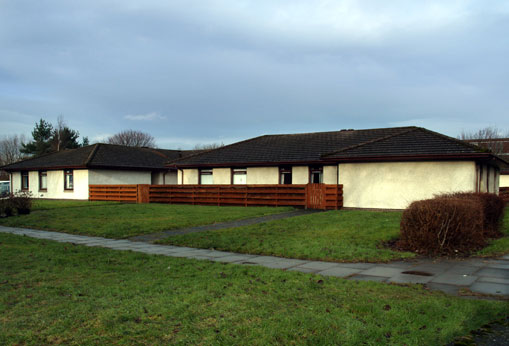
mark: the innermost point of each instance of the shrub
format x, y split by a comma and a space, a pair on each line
443, 226
22, 202
6, 208
493, 210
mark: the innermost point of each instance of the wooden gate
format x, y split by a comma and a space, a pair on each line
315, 196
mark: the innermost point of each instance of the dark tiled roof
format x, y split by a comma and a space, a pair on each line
324, 146
413, 142
102, 156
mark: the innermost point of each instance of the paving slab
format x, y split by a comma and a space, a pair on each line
490, 288
494, 280
499, 265
397, 264
455, 279
357, 265
494, 272
360, 277
460, 269
382, 271
232, 259
266, 259
215, 253
281, 264
410, 279
302, 270
317, 265
339, 272
432, 268
449, 289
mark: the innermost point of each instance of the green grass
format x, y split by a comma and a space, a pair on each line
54, 293
115, 220
341, 236
45, 204
500, 246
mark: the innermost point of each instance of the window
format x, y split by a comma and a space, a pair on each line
206, 177
285, 175
68, 179
43, 181
239, 176
24, 181
315, 175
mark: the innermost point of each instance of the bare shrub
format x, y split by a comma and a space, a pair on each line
492, 207
443, 226
22, 202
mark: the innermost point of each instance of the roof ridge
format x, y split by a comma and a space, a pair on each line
412, 128
92, 154
215, 149
348, 130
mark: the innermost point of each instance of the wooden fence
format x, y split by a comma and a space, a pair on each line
313, 196
504, 193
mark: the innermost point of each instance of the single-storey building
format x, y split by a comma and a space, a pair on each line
67, 174
384, 168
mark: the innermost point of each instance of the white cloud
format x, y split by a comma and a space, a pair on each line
145, 117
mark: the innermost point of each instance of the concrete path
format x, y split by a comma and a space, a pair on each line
150, 238
478, 275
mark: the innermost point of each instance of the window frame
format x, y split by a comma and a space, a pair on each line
315, 169
68, 172
238, 171
27, 175
285, 170
41, 174
205, 171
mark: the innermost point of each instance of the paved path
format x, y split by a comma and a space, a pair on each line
481, 276
150, 238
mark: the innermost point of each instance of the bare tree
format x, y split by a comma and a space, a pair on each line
487, 138
208, 146
132, 138
10, 149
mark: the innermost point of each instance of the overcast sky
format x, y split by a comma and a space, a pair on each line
191, 72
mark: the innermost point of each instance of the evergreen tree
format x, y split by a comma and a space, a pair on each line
41, 144
48, 139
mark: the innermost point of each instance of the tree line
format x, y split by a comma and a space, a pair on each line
48, 138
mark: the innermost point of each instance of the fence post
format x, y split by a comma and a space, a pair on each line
142, 193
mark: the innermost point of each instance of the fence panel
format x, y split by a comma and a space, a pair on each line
233, 195
117, 193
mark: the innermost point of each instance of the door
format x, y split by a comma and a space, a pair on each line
315, 196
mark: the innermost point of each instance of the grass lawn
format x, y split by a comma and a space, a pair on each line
116, 220
340, 236
52, 293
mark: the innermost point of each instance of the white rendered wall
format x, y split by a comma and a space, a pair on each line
300, 174
190, 176
170, 178
504, 180
263, 175
115, 177
15, 181
330, 174
55, 184
394, 185
222, 176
